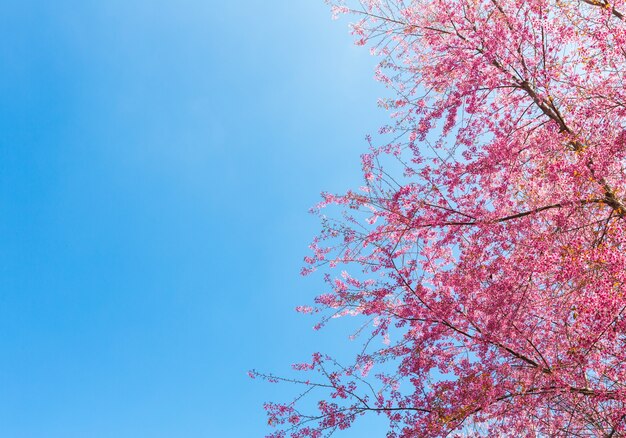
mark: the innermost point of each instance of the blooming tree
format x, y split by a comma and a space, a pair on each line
486, 249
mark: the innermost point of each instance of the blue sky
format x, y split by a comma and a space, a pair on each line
157, 161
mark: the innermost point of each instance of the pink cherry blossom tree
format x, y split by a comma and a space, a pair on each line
486, 251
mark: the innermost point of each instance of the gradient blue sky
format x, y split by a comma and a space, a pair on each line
158, 159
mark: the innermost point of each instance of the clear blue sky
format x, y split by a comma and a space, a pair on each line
158, 159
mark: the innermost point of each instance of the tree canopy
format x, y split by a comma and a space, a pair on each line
486, 246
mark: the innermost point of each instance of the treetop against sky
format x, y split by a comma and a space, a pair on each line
484, 252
